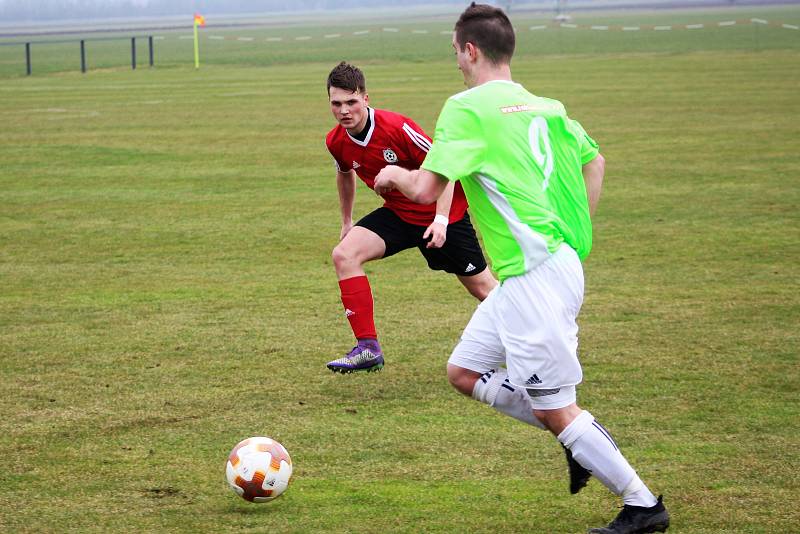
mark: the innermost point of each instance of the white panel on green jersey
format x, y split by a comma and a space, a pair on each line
532, 244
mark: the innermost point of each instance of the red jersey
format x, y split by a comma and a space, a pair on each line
392, 139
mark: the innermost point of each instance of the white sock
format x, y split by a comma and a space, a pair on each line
594, 448
493, 388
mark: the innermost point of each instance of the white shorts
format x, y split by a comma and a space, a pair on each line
528, 323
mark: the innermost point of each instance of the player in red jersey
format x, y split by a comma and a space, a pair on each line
365, 141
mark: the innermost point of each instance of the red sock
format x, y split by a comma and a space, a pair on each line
357, 300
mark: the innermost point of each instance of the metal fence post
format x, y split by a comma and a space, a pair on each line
133, 53
83, 56
28, 57
150, 42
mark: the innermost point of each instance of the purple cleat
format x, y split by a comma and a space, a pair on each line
366, 356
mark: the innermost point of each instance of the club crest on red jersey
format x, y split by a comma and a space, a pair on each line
389, 155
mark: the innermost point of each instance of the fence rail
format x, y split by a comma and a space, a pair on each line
82, 43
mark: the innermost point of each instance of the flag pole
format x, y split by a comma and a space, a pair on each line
196, 46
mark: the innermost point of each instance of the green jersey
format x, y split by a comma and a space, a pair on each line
519, 158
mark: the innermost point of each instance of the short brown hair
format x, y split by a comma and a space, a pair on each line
489, 29
346, 76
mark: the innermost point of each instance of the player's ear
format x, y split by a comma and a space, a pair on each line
366, 98
471, 50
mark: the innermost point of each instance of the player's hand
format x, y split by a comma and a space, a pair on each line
345, 230
437, 233
384, 181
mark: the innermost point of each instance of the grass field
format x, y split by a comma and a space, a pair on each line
166, 290
402, 36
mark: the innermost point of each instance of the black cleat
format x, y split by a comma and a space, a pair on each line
578, 475
636, 519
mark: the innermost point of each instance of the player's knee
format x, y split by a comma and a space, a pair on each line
478, 291
486, 285
543, 415
483, 291
557, 420
549, 419
340, 256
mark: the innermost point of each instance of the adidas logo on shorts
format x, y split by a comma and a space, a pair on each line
533, 380
470, 268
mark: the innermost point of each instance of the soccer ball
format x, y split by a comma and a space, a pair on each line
259, 469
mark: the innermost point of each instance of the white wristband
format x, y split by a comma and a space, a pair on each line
441, 219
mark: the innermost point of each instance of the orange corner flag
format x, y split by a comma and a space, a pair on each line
199, 20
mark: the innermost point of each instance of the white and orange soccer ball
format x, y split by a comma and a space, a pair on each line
259, 469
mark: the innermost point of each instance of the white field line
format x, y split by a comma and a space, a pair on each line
723, 23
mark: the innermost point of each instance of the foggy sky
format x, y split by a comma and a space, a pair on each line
51, 10
55, 10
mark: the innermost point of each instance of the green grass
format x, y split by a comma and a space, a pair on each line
167, 290
220, 45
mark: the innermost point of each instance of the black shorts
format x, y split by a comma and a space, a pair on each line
461, 253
